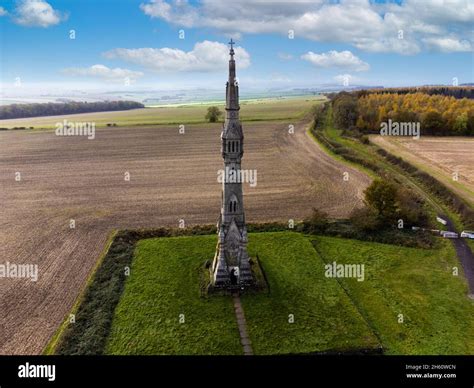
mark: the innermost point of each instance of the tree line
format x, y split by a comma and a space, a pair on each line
453, 91
437, 114
15, 111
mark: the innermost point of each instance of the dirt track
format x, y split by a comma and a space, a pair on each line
172, 177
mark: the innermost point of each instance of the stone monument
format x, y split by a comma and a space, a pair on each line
231, 266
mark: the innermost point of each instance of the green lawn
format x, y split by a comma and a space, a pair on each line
164, 283
253, 110
324, 317
417, 283
329, 314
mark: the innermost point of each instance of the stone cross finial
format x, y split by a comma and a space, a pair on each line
231, 43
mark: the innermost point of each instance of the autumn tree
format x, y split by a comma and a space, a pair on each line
439, 114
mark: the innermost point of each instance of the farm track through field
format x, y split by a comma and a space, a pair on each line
172, 177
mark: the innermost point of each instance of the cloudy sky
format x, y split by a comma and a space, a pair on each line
174, 44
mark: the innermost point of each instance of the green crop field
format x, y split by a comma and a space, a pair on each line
252, 110
304, 312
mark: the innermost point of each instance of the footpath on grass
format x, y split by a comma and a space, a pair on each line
242, 324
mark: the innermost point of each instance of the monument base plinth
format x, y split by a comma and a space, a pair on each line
251, 279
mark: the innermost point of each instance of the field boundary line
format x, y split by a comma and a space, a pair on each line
50, 348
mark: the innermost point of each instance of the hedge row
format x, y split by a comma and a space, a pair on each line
449, 198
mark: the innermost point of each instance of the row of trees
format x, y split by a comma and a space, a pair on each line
436, 114
454, 91
15, 111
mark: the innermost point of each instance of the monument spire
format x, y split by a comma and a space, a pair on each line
231, 265
232, 95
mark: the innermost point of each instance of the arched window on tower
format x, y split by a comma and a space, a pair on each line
237, 144
233, 204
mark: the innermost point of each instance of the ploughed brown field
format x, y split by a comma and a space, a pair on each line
441, 157
172, 176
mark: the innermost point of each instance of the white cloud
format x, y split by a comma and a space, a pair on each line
365, 24
180, 11
339, 59
438, 12
3, 11
448, 45
388, 45
206, 56
156, 9
104, 72
37, 13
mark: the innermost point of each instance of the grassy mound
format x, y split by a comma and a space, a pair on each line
159, 307
164, 283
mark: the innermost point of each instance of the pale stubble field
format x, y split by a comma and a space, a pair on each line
449, 159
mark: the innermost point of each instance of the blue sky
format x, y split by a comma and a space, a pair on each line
136, 44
